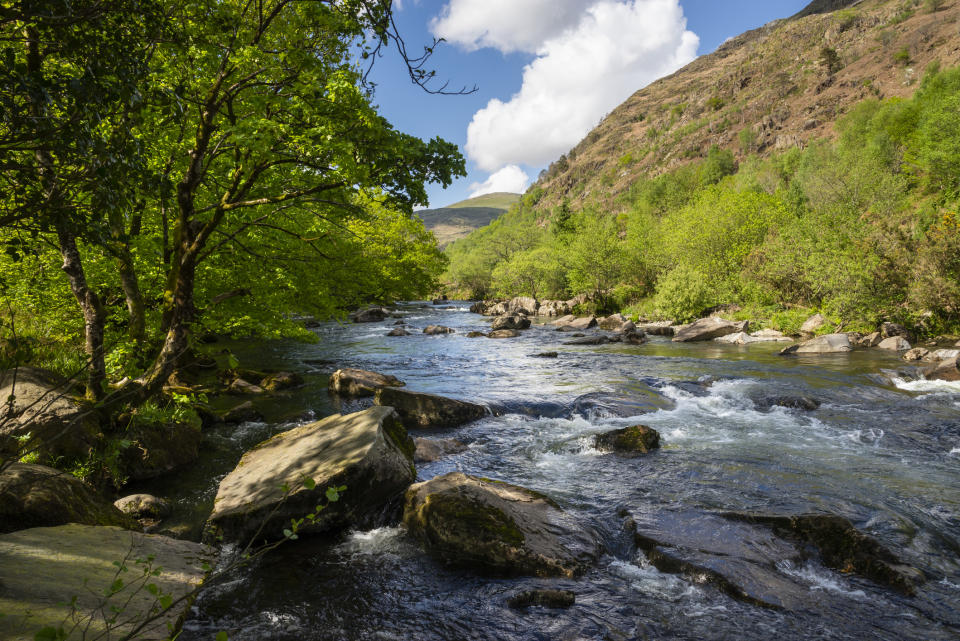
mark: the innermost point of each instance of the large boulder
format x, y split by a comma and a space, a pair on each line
39, 496
46, 409
575, 323
370, 315
144, 506
553, 308
472, 521
369, 452
825, 344
418, 410
709, 328
871, 340
612, 322
945, 370
523, 305
894, 344
360, 382
563, 320
812, 324
629, 441
52, 574
514, 321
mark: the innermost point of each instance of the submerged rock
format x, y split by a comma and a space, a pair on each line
38, 496
631, 441
497, 526
242, 413
418, 410
546, 355
281, 381
503, 333
429, 450
399, 331
39, 587
516, 321
360, 382
369, 452
709, 328
826, 344
590, 340
842, 547
242, 387
793, 402
543, 598
476, 334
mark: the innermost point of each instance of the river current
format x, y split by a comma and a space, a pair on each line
885, 455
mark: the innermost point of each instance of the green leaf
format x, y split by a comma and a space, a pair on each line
309, 483
166, 601
49, 634
333, 495
221, 636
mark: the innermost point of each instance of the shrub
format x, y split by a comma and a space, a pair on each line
683, 294
902, 57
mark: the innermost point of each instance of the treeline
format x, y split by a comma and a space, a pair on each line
170, 169
862, 228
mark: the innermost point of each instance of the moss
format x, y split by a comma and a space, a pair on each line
461, 519
636, 438
397, 434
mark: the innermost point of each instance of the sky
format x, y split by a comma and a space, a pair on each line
545, 71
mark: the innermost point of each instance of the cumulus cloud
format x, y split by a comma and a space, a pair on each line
511, 179
507, 25
581, 72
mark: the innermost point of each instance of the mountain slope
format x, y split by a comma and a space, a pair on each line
459, 219
769, 89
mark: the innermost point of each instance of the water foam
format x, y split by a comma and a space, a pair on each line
381, 540
923, 385
819, 579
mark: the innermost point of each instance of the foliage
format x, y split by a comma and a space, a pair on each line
862, 228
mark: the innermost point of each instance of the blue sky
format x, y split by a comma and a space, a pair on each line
546, 72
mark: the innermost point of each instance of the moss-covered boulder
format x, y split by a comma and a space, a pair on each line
369, 452
360, 382
144, 506
629, 441
47, 413
419, 411
39, 496
499, 527
44, 569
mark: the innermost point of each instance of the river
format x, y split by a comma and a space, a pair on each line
885, 456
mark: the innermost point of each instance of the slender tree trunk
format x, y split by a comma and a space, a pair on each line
94, 317
120, 249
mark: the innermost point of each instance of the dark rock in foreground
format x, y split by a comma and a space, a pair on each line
496, 526
418, 410
543, 598
39, 496
633, 440
367, 451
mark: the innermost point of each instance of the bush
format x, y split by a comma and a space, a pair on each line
683, 294
902, 57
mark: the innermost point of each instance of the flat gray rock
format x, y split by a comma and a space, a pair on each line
42, 569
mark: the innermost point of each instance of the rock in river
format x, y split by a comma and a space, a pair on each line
503, 333
144, 506
515, 321
543, 598
39, 496
709, 328
43, 569
497, 526
631, 441
418, 410
826, 344
370, 315
433, 449
945, 370
360, 382
434, 330
367, 451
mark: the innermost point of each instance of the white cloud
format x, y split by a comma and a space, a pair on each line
511, 179
507, 25
580, 74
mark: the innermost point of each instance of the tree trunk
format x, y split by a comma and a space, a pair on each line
94, 317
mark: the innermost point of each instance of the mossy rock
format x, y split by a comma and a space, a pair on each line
630, 441
497, 527
39, 496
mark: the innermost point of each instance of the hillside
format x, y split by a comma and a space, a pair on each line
459, 219
764, 91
